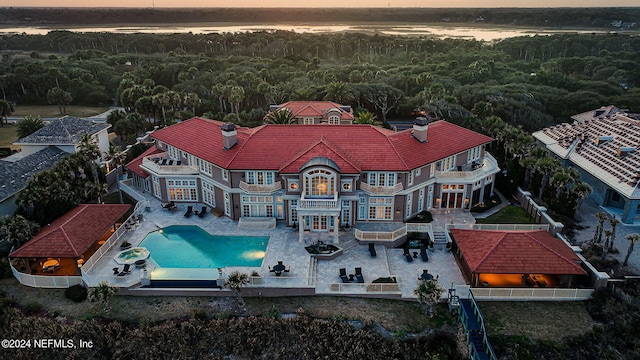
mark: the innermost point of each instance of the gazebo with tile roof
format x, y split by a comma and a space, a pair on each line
508, 258
72, 237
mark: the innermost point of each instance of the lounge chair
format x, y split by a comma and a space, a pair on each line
126, 270
170, 162
343, 275
169, 206
423, 254
372, 250
202, 212
359, 277
189, 211
407, 255
179, 162
164, 162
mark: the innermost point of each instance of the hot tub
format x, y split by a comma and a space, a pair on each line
132, 255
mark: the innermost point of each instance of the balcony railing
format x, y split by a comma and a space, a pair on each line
260, 189
488, 166
381, 190
154, 164
318, 204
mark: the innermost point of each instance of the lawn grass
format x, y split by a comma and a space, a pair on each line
8, 136
539, 320
509, 215
45, 111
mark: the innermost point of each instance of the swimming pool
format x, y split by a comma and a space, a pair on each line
183, 246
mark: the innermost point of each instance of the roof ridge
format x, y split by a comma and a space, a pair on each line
486, 256
393, 146
250, 132
528, 234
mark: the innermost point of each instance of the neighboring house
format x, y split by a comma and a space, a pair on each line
65, 133
317, 112
513, 258
319, 177
15, 171
603, 145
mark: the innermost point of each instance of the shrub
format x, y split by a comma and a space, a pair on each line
422, 217
76, 293
32, 307
272, 313
5, 270
222, 315
200, 314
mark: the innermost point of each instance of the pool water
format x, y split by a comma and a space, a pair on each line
191, 247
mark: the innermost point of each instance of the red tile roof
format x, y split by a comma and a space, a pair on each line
276, 147
516, 252
134, 165
70, 235
315, 109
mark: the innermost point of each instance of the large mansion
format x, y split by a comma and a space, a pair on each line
317, 177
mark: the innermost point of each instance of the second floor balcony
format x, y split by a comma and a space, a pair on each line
319, 204
471, 172
260, 189
381, 190
161, 164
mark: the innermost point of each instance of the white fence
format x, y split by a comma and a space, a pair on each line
363, 235
46, 281
281, 281
521, 227
533, 294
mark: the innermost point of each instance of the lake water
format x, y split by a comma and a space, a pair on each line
479, 33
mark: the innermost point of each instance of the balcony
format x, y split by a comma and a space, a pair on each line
470, 172
329, 204
381, 190
160, 164
260, 189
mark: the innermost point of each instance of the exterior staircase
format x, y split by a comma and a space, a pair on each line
439, 239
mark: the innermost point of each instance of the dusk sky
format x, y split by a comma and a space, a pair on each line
315, 3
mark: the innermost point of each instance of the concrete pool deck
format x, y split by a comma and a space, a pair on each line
319, 276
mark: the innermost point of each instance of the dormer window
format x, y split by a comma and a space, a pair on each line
334, 120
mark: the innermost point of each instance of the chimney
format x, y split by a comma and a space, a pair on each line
229, 136
420, 129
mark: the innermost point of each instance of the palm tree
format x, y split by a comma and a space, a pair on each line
280, 116
17, 230
428, 293
116, 157
546, 166
607, 238
115, 116
365, 117
235, 281
563, 179
613, 222
90, 152
633, 239
338, 91
6, 109
28, 125
580, 190
103, 293
597, 237
59, 97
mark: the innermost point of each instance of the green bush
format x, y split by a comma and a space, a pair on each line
32, 307
76, 293
272, 313
5, 270
422, 217
200, 314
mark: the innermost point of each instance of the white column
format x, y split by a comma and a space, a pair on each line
301, 229
336, 227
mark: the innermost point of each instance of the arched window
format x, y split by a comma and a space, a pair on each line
334, 120
319, 183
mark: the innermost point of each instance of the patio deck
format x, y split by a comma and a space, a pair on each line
284, 245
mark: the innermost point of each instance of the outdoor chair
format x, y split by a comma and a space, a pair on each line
343, 275
189, 211
407, 255
359, 276
202, 212
169, 206
126, 270
372, 250
164, 162
423, 254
